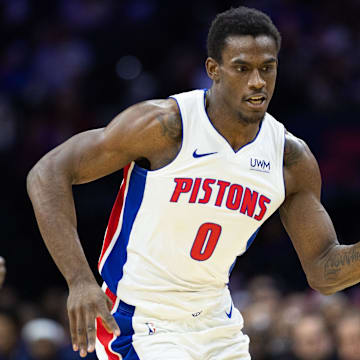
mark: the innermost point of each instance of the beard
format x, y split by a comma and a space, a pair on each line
252, 119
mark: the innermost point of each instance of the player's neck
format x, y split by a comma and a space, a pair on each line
227, 122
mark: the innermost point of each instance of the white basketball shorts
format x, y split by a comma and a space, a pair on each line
206, 335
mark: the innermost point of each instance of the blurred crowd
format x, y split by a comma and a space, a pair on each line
299, 325
71, 65
281, 325
38, 330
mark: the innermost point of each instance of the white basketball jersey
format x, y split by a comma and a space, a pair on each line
174, 233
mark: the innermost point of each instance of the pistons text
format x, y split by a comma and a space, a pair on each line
221, 193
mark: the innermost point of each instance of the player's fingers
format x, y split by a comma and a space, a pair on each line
109, 321
109, 304
73, 333
90, 331
81, 333
110, 324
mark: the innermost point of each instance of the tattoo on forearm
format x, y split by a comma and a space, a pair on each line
338, 261
171, 126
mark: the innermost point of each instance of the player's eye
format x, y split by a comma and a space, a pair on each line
267, 68
242, 68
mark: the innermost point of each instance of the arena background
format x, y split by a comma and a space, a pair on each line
72, 65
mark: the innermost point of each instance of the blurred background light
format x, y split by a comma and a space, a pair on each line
128, 67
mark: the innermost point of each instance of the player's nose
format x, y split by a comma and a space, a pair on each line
255, 80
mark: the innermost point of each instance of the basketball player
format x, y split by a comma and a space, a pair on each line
2, 271
203, 170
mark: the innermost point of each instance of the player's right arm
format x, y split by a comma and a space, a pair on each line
147, 130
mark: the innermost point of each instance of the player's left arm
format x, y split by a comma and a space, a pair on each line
329, 266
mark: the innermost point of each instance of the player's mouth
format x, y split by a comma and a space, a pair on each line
256, 101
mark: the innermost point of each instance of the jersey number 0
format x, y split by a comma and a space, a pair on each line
205, 241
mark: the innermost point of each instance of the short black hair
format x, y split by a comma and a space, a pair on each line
239, 21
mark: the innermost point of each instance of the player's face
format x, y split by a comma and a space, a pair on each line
247, 75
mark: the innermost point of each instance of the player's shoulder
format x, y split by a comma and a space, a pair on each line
159, 105
163, 114
301, 169
146, 120
295, 150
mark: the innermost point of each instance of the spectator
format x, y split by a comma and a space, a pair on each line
10, 347
333, 308
348, 336
291, 310
44, 339
311, 340
258, 318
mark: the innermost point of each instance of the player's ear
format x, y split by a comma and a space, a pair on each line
212, 69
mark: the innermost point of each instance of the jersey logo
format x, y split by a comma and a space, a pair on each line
196, 314
196, 155
151, 328
230, 312
259, 165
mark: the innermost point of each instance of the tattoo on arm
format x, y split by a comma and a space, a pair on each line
294, 150
338, 261
171, 126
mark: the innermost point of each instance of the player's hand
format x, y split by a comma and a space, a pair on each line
85, 303
2, 270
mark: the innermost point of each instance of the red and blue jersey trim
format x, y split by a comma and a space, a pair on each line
121, 347
114, 218
127, 204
